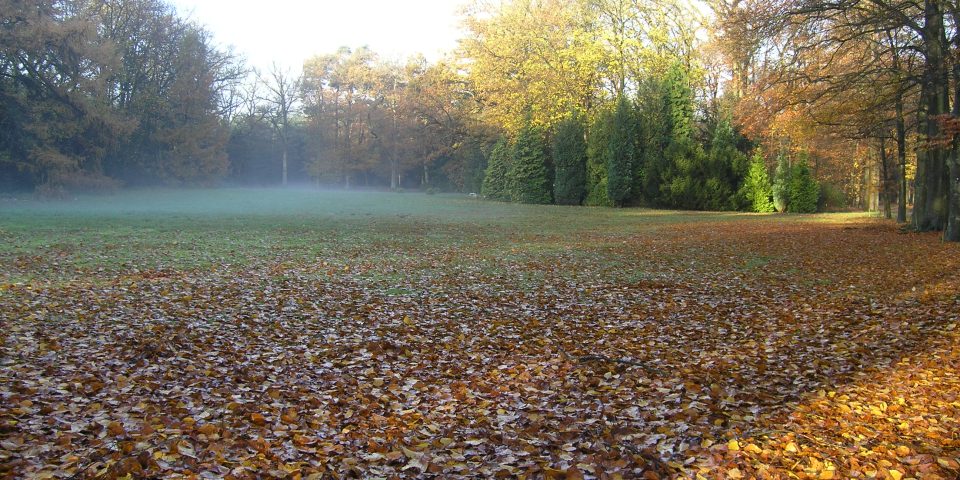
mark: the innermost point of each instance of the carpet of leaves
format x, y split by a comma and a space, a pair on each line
744, 350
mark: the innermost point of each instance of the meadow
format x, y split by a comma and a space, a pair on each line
244, 333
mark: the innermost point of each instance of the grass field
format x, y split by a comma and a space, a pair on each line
249, 333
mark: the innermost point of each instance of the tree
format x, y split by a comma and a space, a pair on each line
782, 183
804, 190
757, 193
56, 116
682, 174
176, 88
532, 58
621, 153
726, 168
283, 90
598, 142
529, 177
496, 180
570, 158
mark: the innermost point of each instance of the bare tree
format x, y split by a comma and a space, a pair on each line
283, 93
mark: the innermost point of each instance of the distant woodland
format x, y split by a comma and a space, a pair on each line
779, 105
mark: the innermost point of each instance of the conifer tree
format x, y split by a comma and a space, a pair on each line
496, 181
724, 170
680, 183
621, 150
570, 158
757, 192
804, 190
529, 178
782, 184
596, 159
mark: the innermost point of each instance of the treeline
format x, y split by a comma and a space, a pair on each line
93, 93
645, 152
607, 104
673, 106
352, 119
871, 85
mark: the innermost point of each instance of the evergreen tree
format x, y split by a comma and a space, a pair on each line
679, 102
620, 153
680, 183
570, 157
757, 193
655, 138
496, 184
529, 177
804, 190
725, 169
782, 184
596, 159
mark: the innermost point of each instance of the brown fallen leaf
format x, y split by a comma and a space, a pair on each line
258, 419
115, 429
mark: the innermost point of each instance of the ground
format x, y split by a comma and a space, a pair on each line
251, 333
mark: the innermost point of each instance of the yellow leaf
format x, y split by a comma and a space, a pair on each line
826, 475
895, 474
407, 320
734, 473
791, 448
733, 446
948, 463
751, 448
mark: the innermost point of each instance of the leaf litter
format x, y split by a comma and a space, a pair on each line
786, 350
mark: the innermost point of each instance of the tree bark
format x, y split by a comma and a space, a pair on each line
901, 158
930, 209
885, 190
952, 231
284, 164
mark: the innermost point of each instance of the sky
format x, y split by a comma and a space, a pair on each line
289, 31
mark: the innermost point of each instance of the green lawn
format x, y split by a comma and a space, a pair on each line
251, 333
237, 228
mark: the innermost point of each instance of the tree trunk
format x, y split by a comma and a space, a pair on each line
284, 164
885, 190
901, 159
952, 231
930, 209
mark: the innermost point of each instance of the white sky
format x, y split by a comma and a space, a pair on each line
290, 31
